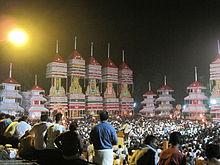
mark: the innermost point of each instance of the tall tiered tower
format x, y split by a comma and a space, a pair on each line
76, 97
148, 103
36, 101
110, 80
57, 99
10, 97
94, 102
215, 86
125, 88
195, 102
164, 100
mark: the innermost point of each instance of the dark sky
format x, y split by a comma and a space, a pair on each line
159, 37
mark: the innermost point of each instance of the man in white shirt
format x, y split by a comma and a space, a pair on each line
53, 131
22, 127
38, 132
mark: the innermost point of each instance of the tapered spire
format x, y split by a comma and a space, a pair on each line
218, 47
75, 40
57, 47
10, 70
108, 50
196, 74
91, 49
165, 80
123, 56
149, 86
35, 80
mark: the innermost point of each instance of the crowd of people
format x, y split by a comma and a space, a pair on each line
95, 141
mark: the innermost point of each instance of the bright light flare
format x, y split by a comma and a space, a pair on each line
18, 37
213, 101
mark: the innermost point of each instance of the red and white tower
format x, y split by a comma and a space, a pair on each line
125, 88
94, 102
36, 101
56, 71
10, 97
110, 80
148, 103
215, 86
164, 100
195, 102
76, 72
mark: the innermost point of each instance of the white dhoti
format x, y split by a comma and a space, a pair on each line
104, 157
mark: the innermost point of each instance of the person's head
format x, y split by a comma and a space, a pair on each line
175, 138
7, 116
212, 151
103, 115
58, 117
23, 118
73, 126
2, 116
12, 118
44, 117
151, 141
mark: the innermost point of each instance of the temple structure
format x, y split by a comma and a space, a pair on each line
195, 102
10, 98
57, 71
76, 72
125, 88
215, 86
36, 101
94, 101
164, 100
148, 103
110, 82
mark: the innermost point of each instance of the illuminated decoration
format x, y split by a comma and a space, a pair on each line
35, 101
148, 103
215, 86
196, 108
18, 37
110, 79
10, 96
57, 99
125, 88
164, 100
76, 97
94, 102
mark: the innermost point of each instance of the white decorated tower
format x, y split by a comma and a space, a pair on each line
94, 102
57, 71
195, 103
9, 96
148, 103
110, 81
36, 101
125, 88
76, 72
215, 86
164, 100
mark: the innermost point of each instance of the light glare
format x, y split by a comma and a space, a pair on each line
18, 37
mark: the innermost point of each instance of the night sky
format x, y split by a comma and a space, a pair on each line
159, 38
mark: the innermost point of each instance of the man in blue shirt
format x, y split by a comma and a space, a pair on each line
103, 136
